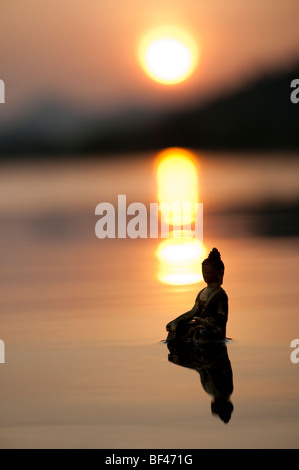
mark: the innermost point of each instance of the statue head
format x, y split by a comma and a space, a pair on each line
213, 268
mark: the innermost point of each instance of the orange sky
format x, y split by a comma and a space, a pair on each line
84, 51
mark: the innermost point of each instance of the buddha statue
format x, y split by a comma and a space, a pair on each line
208, 317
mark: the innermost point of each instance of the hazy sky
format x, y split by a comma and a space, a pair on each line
85, 51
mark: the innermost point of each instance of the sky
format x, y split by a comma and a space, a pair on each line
85, 51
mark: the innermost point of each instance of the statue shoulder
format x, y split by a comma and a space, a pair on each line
222, 293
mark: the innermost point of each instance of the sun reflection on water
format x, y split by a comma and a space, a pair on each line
180, 260
179, 256
177, 181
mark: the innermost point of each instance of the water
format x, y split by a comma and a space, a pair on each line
82, 320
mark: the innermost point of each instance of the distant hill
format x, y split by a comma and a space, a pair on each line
259, 116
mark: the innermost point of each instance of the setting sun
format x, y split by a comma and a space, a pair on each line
168, 55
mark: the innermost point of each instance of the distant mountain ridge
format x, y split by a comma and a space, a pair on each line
259, 116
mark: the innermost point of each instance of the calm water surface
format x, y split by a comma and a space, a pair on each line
83, 319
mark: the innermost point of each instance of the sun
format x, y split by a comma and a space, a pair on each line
168, 55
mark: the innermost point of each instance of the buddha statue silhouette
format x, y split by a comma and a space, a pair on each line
208, 318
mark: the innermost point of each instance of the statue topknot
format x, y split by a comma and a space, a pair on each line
214, 259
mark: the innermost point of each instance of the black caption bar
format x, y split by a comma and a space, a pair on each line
143, 459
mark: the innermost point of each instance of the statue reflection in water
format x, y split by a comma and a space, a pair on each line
214, 367
197, 339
